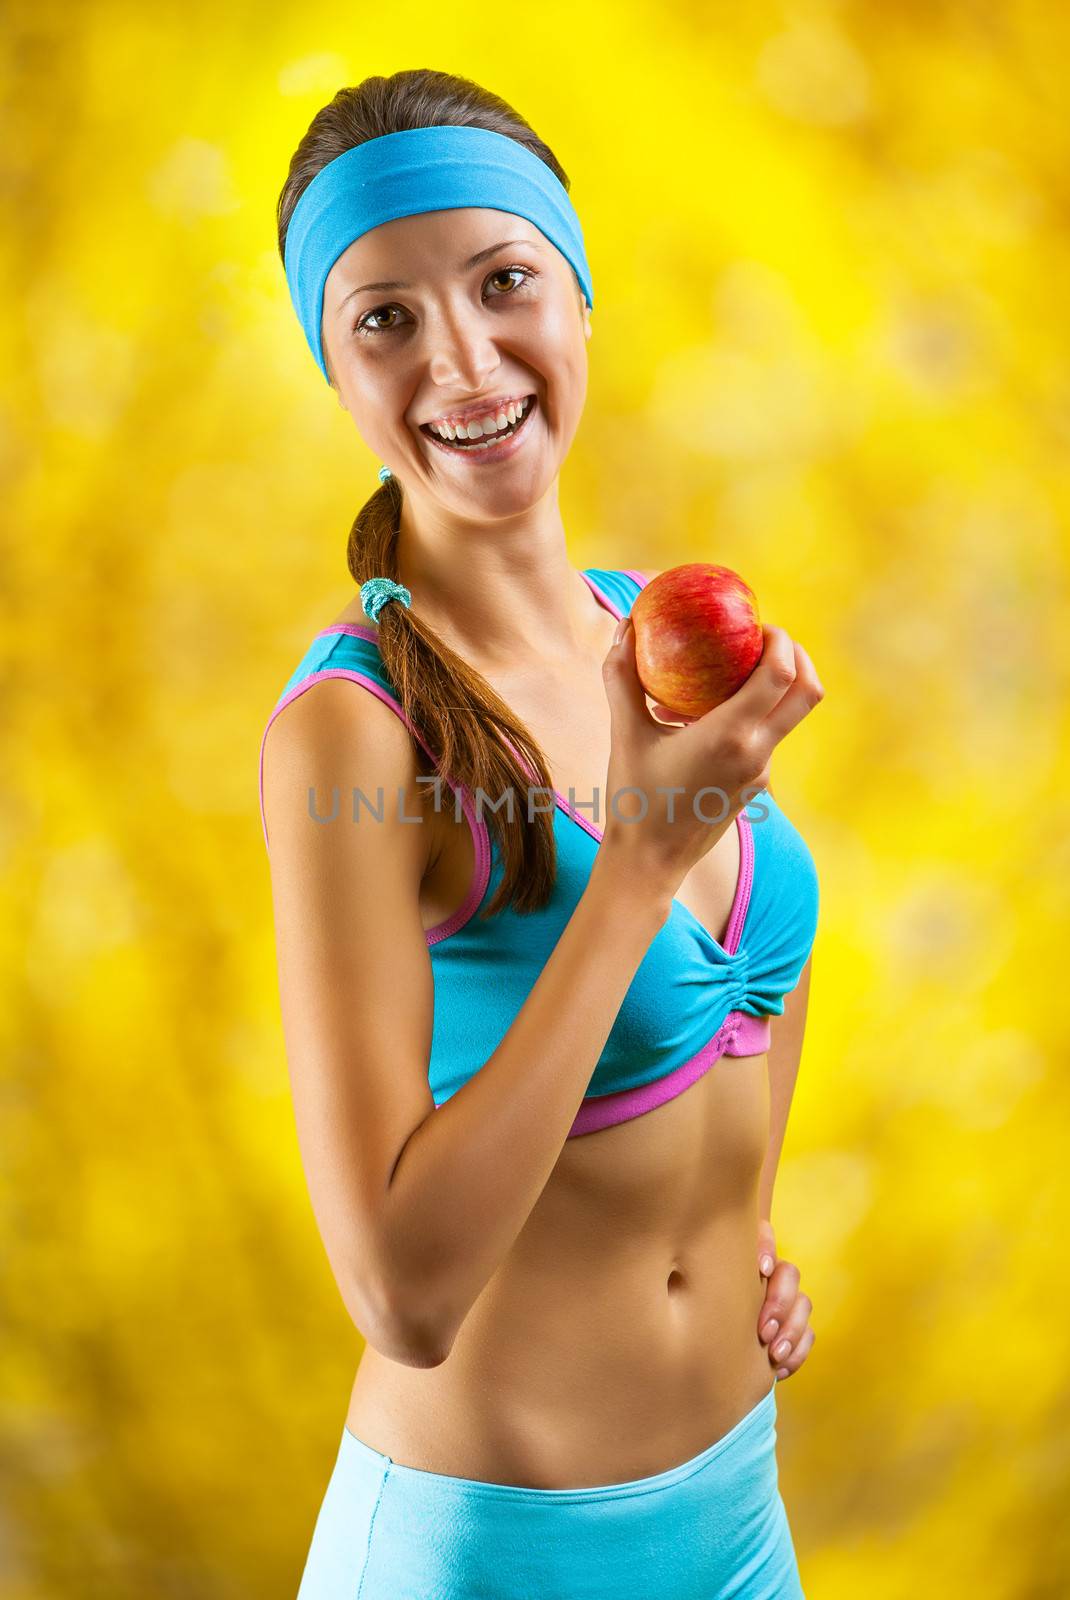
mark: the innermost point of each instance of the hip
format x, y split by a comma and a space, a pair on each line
711, 1526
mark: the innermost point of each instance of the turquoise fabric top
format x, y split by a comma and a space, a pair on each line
692, 999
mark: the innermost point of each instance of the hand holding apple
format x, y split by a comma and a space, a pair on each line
726, 749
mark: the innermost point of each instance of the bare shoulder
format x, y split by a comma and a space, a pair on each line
645, 574
338, 737
339, 706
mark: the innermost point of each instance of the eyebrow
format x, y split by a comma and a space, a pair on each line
466, 266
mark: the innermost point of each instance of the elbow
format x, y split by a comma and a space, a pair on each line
422, 1354
414, 1343
399, 1327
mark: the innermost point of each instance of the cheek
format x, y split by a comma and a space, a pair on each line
568, 376
378, 407
558, 349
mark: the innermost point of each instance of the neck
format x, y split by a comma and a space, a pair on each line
503, 595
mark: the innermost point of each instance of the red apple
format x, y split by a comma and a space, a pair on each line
697, 636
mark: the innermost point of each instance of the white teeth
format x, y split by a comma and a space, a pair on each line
480, 426
461, 433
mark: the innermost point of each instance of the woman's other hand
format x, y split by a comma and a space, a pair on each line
785, 1313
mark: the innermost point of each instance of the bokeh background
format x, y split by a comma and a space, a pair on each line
830, 245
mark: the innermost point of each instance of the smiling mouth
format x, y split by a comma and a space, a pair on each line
482, 446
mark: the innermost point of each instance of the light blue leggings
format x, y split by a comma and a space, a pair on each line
713, 1528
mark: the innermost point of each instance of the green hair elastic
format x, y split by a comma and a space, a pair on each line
378, 592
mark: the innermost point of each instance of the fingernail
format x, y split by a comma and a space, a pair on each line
767, 1265
619, 635
780, 1350
769, 1329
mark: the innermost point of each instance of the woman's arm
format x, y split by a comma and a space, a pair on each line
417, 1206
785, 1052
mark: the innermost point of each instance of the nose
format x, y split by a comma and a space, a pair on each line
462, 353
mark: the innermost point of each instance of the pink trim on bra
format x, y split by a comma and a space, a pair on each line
740, 1034
630, 572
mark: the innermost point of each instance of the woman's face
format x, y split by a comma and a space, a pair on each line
460, 333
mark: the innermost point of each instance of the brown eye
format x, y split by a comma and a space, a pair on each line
381, 311
505, 272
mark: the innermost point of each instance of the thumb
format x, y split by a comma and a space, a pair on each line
627, 697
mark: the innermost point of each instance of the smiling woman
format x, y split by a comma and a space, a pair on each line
528, 306
528, 1053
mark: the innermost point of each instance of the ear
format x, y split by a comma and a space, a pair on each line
337, 393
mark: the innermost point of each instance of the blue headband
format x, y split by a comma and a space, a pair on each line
404, 174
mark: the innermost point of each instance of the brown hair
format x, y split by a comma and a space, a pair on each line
457, 711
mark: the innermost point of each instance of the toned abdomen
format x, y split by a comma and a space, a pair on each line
619, 1336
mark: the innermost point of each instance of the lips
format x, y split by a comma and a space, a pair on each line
502, 447
480, 409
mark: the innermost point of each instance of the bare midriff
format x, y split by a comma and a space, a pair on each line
619, 1336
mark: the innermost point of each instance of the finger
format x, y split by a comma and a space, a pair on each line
792, 1328
770, 682
626, 695
781, 1292
802, 696
799, 1353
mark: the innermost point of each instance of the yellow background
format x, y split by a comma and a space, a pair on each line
829, 249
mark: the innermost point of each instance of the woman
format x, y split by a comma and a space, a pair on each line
539, 1201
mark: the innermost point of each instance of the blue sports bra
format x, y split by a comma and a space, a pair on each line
692, 999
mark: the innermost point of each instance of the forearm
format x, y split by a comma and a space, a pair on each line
468, 1177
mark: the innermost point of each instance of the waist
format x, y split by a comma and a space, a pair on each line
591, 1376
